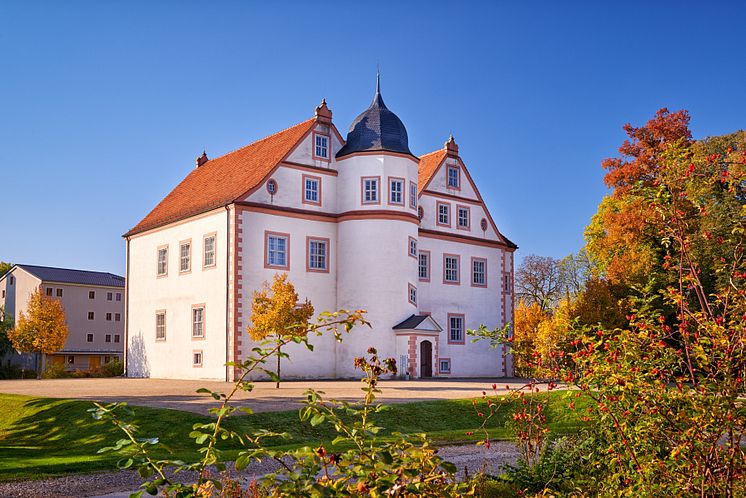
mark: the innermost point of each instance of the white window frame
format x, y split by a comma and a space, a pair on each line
197, 358
312, 190
160, 328
89, 336
467, 218
396, 191
272, 250
315, 258
162, 262
461, 320
443, 214
321, 146
457, 177
185, 258
370, 187
451, 269
209, 259
442, 370
412, 294
413, 195
475, 273
426, 266
412, 247
198, 321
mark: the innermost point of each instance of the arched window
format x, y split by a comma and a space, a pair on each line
272, 186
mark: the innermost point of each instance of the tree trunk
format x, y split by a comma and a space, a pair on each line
277, 386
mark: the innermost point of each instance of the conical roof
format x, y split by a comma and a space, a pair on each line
376, 129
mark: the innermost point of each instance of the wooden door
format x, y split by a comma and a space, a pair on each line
426, 359
94, 362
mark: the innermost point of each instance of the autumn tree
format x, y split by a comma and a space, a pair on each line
42, 329
6, 324
276, 314
528, 319
621, 244
5, 268
537, 281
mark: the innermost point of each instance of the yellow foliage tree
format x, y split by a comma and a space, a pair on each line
43, 329
528, 319
276, 313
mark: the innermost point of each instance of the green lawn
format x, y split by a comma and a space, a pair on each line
40, 437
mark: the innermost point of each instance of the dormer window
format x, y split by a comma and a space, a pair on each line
321, 146
454, 180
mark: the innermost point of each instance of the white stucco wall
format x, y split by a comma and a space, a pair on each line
176, 294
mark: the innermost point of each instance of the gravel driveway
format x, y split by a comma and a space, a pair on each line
181, 395
120, 484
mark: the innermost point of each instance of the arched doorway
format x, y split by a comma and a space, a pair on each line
426, 359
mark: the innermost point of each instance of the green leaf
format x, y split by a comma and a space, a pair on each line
317, 419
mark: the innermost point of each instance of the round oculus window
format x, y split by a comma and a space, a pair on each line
420, 212
272, 186
483, 224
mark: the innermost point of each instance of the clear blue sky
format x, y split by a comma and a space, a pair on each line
104, 105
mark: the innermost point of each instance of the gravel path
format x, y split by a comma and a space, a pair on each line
120, 484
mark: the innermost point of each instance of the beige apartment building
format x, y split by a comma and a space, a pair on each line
94, 310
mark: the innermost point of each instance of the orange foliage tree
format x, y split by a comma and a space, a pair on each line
43, 329
276, 314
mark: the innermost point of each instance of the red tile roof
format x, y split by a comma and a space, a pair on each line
428, 166
222, 180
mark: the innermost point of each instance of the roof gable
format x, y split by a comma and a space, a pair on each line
69, 276
220, 181
429, 165
422, 323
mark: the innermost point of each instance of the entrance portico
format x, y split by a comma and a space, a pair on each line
417, 340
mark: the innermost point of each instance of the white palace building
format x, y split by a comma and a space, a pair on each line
360, 223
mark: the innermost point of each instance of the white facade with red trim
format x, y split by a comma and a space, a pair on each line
360, 259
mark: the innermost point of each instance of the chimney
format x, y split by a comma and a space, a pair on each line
323, 114
451, 147
202, 159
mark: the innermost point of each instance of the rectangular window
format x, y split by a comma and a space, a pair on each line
108, 317
444, 365
450, 269
71, 360
424, 266
116, 337
3, 293
109, 296
478, 272
89, 338
453, 177
59, 292
455, 328
91, 315
12, 280
412, 247
108, 338
412, 294
197, 358
208, 251
107, 359
162, 261
277, 250
91, 294
48, 291
413, 195
396, 191
321, 146
508, 287
160, 325
119, 296
311, 190
117, 317
444, 214
370, 190
198, 322
318, 255
185, 256
463, 217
